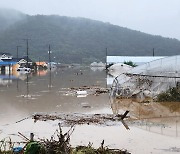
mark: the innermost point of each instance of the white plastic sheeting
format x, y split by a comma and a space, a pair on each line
148, 80
135, 59
119, 68
161, 67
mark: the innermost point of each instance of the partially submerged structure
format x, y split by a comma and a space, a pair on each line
8, 64
149, 79
97, 64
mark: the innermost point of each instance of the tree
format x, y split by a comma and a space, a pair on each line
130, 63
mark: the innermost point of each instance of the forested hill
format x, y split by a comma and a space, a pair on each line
79, 40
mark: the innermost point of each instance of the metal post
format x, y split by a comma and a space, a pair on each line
27, 44
49, 56
106, 58
17, 50
27, 53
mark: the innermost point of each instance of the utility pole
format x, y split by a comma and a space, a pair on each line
153, 52
39, 63
106, 57
38, 67
27, 44
18, 50
50, 82
49, 57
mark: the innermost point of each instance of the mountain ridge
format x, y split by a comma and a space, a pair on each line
80, 40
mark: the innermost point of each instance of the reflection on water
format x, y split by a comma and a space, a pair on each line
31, 93
153, 126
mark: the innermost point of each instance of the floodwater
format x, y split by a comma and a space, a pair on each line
154, 127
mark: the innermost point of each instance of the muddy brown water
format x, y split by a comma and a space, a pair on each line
154, 127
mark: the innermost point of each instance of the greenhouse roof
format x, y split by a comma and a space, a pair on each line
168, 65
135, 59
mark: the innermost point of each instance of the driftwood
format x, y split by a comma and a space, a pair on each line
73, 119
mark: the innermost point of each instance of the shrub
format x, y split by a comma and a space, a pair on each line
171, 95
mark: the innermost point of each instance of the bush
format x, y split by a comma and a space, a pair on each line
171, 95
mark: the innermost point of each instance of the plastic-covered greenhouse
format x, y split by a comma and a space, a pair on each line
148, 80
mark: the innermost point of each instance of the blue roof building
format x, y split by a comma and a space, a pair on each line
5, 63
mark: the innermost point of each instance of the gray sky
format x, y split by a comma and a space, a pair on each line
158, 17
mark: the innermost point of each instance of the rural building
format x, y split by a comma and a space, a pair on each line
5, 56
6, 67
8, 64
41, 64
23, 61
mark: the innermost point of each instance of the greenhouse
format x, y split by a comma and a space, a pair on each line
148, 80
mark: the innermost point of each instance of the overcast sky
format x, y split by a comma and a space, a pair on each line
158, 17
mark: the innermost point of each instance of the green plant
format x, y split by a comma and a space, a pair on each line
130, 63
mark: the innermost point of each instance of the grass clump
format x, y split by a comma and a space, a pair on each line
101, 150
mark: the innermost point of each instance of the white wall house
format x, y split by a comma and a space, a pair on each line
23, 62
5, 56
5, 64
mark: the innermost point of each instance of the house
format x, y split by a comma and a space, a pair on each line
41, 64
138, 60
6, 63
23, 61
5, 56
6, 66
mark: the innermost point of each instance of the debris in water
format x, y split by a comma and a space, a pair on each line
86, 90
81, 92
85, 105
72, 119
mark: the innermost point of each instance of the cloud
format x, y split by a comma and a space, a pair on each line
151, 16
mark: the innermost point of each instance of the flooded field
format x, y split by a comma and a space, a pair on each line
154, 127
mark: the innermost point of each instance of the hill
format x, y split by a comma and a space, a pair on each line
8, 17
79, 40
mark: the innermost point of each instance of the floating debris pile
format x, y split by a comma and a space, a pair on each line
86, 90
79, 119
